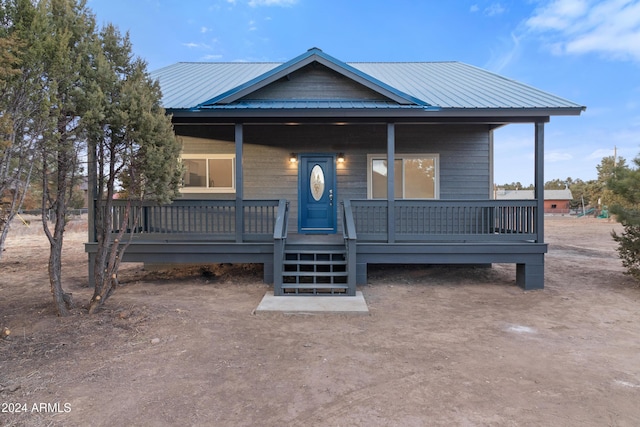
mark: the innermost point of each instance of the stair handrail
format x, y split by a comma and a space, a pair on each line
350, 238
279, 239
348, 224
280, 229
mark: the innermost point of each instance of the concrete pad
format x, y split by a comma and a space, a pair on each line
313, 304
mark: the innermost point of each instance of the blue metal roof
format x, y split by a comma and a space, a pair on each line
426, 85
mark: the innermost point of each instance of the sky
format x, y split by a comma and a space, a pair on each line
586, 51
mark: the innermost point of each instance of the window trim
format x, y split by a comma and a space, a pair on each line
214, 190
403, 156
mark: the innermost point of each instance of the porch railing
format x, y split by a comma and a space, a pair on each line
446, 220
198, 220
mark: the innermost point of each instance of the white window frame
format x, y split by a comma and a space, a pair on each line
207, 189
403, 156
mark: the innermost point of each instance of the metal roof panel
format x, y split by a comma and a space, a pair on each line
444, 85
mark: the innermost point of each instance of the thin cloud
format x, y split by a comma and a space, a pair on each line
285, 3
210, 57
494, 9
610, 28
600, 153
557, 156
192, 45
499, 61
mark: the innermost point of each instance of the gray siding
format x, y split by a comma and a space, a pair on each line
314, 82
464, 157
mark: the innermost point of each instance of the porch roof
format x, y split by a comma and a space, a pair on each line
433, 88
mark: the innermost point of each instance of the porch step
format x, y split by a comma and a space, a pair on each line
316, 289
314, 270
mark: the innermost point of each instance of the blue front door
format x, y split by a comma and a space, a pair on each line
317, 194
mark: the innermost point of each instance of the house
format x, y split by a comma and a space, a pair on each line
555, 201
287, 166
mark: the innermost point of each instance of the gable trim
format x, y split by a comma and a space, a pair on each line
313, 55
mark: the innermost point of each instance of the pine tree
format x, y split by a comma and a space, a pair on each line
131, 142
624, 183
67, 31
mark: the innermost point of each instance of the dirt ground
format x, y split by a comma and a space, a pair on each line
441, 346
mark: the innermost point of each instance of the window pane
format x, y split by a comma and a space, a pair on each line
220, 173
419, 178
316, 183
379, 179
195, 172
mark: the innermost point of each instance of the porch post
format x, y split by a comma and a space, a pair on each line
539, 180
530, 273
391, 157
239, 183
92, 190
92, 194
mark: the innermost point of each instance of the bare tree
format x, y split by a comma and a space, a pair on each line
21, 108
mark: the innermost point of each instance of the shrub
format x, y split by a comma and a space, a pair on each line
629, 249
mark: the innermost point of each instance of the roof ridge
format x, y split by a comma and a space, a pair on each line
403, 62
348, 62
227, 62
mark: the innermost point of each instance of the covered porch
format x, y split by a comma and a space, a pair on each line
412, 232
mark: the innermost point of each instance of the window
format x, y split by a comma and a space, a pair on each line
209, 173
416, 176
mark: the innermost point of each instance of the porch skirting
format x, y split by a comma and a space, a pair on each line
528, 257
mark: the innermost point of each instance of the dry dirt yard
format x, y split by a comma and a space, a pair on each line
441, 346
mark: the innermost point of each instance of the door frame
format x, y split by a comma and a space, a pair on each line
303, 185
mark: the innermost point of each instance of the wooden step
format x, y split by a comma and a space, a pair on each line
314, 289
315, 273
309, 262
321, 269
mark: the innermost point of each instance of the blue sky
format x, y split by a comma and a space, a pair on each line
583, 50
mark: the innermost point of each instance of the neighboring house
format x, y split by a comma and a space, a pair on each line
286, 166
555, 201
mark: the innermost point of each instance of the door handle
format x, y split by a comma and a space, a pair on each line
330, 197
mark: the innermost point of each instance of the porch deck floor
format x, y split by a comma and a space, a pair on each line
313, 304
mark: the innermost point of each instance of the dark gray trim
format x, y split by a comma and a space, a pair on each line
239, 181
528, 257
391, 155
92, 186
539, 178
283, 113
191, 252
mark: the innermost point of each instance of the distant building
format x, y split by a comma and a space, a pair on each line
555, 201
